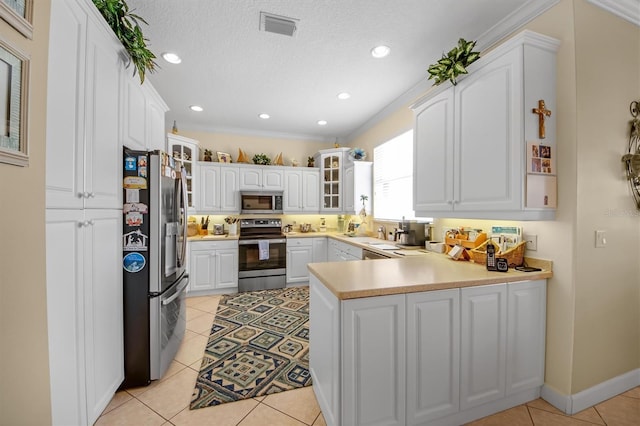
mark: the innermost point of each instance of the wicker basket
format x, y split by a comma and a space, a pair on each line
514, 256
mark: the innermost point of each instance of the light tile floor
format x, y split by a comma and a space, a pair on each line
166, 401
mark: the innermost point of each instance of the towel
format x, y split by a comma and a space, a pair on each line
263, 248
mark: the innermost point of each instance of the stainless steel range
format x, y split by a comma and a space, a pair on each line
262, 260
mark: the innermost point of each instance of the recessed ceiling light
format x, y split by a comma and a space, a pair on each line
172, 58
264, 116
344, 95
196, 108
380, 51
322, 122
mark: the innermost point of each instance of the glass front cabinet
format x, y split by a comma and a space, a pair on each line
185, 152
331, 163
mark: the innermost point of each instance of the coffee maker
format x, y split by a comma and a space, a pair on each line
410, 233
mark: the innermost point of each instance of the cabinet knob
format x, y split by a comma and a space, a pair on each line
92, 195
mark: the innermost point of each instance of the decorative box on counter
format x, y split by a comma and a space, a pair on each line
466, 238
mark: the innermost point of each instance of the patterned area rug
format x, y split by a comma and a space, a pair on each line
259, 345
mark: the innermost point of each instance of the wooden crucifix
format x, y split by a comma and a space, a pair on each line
542, 112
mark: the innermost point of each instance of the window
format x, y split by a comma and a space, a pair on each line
393, 178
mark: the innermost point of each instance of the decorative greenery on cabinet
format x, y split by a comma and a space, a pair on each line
454, 63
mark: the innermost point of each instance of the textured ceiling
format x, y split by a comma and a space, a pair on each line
235, 71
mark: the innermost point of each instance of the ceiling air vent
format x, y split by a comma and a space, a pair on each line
277, 24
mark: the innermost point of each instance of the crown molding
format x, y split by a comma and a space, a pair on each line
506, 26
625, 9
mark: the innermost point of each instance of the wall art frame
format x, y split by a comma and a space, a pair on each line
14, 105
18, 14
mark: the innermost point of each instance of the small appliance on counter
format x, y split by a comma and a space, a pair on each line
218, 229
410, 233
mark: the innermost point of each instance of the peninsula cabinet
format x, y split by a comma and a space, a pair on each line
261, 178
470, 140
338, 251
435, 357
301, 190
218, 188
213, 265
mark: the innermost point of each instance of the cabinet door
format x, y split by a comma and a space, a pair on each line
103, 152
319, 249
299, 254
250, 178
333, 252
202, 269
374, 340
433, 154
526, 335
229, 194
155, 118
433, 355
226, 268
65, 107
483, 344
293, 191
209, 188
65, 310
272, 180
310, 191
349, 205
331, 175
134, 113
488, 136
103, 320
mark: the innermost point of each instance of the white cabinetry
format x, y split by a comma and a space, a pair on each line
299, 254
302, 190
338, 251
84, 304
459, 355
263, 178
218, 188
483, 344
84, 157
320, 249
331, 166
358, 181
142, 114
185, 152
470, 140
433, 355
84, 213
213, 265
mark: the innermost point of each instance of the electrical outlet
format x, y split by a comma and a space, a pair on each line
532, 242
601, 239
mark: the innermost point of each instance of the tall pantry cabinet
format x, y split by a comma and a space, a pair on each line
84, 211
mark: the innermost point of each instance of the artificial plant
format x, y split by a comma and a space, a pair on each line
454, 63
125, 25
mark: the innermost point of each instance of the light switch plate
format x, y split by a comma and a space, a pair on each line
601, 239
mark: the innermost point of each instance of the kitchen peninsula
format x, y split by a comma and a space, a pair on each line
424, 339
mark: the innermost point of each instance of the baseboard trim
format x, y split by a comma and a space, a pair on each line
572, 404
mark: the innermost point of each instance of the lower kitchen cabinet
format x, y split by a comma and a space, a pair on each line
338, 251
445, 356
300, 252
84, 312
213, 265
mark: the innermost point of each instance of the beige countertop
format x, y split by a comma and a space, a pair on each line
356, 279
213, 237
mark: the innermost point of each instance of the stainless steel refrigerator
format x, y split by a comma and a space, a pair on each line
154, 257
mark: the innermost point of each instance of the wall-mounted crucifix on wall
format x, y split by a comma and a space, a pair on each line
542, 112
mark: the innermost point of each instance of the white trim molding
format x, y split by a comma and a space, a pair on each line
572, 404
625, 9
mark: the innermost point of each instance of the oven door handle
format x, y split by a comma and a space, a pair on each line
253, 242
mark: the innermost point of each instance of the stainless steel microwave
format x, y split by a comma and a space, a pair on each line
261, 202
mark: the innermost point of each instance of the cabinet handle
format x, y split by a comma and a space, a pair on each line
92, 195
85, 223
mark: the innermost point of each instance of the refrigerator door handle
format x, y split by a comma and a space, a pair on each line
179, 290
182, 254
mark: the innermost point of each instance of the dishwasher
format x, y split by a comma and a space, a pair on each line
372, 255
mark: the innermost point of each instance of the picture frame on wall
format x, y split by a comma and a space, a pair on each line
14, 98
18, 14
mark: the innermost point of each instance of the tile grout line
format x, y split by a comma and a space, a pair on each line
529, 413
286, 414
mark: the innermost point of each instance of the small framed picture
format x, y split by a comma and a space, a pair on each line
14, 96
540, 158
223, 157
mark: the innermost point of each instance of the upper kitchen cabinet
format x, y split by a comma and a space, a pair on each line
301, 190
343, 181
185, 152
218, 188
470, 147
143, 113
83, 151
261, 178
358, 178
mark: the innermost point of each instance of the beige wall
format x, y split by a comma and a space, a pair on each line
251, 145
24, 361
